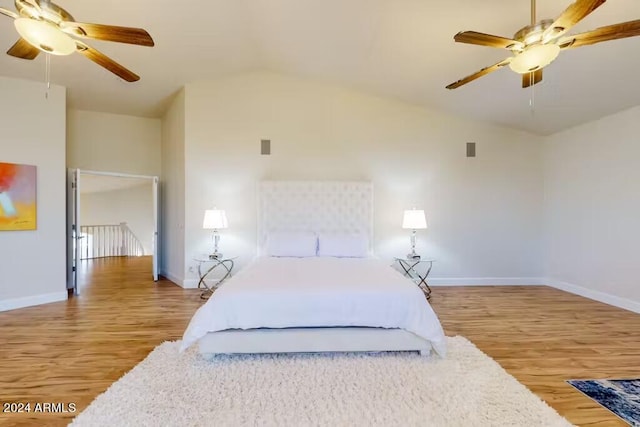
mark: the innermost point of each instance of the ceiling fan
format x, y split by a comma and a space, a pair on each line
537, 45
45, 26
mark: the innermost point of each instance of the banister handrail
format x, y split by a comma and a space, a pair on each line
108, 240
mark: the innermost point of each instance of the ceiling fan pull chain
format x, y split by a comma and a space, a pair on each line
47, 74
532, 99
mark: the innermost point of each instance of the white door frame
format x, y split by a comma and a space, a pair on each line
73, 208
73, 219
155, 189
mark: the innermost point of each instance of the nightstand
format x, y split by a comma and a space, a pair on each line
213, 272
417, 269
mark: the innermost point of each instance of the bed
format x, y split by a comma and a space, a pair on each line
297, 301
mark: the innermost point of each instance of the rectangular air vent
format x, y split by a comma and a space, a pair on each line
471, 149
265, 147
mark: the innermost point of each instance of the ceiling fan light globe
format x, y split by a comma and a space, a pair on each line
534, 58
44, 36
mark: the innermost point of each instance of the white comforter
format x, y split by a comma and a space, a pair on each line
317, 292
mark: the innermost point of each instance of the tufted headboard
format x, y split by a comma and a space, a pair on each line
320, 206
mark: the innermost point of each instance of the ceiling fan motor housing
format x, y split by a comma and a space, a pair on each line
532, 34
46, 10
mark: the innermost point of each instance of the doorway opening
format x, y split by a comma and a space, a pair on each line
112, 217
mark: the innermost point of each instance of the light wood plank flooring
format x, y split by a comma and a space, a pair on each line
72, 351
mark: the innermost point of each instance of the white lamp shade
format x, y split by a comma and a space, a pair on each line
214, 219
414, 219
45, 36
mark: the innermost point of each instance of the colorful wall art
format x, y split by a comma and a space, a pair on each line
17, 197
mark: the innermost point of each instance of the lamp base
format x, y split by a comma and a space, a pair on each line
413, 256
215, 255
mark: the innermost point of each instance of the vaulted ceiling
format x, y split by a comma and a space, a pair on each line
398, 48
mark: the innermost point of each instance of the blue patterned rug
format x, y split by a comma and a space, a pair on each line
622, 397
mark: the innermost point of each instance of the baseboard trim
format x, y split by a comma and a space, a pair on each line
190, 283
486, 281
172, 277
16, 303
604, 297
183, 283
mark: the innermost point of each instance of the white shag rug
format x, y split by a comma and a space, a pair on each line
468, 388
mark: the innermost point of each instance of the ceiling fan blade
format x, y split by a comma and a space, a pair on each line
23, 49
482, 39
577, 11
602, 34
110, 33
479, 74
530, 79
106, 62
8, 13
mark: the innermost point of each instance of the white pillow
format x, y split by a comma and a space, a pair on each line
343, 245
291, 244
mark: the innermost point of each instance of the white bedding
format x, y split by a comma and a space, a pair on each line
317, 292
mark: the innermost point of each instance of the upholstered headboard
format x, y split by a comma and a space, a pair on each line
320, 206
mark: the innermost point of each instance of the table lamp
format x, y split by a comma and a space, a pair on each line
414, 220
215, 219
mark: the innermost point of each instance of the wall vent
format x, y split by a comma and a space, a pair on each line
265, 147
471, 149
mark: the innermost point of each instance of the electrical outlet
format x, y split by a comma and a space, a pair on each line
191, 269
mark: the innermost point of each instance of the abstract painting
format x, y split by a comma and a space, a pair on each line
17, 197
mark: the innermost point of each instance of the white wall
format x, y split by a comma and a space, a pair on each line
32, 264
172, 188
592, 178
133, 205
484, 213
113, 143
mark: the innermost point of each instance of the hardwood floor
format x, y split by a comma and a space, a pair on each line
70, 352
